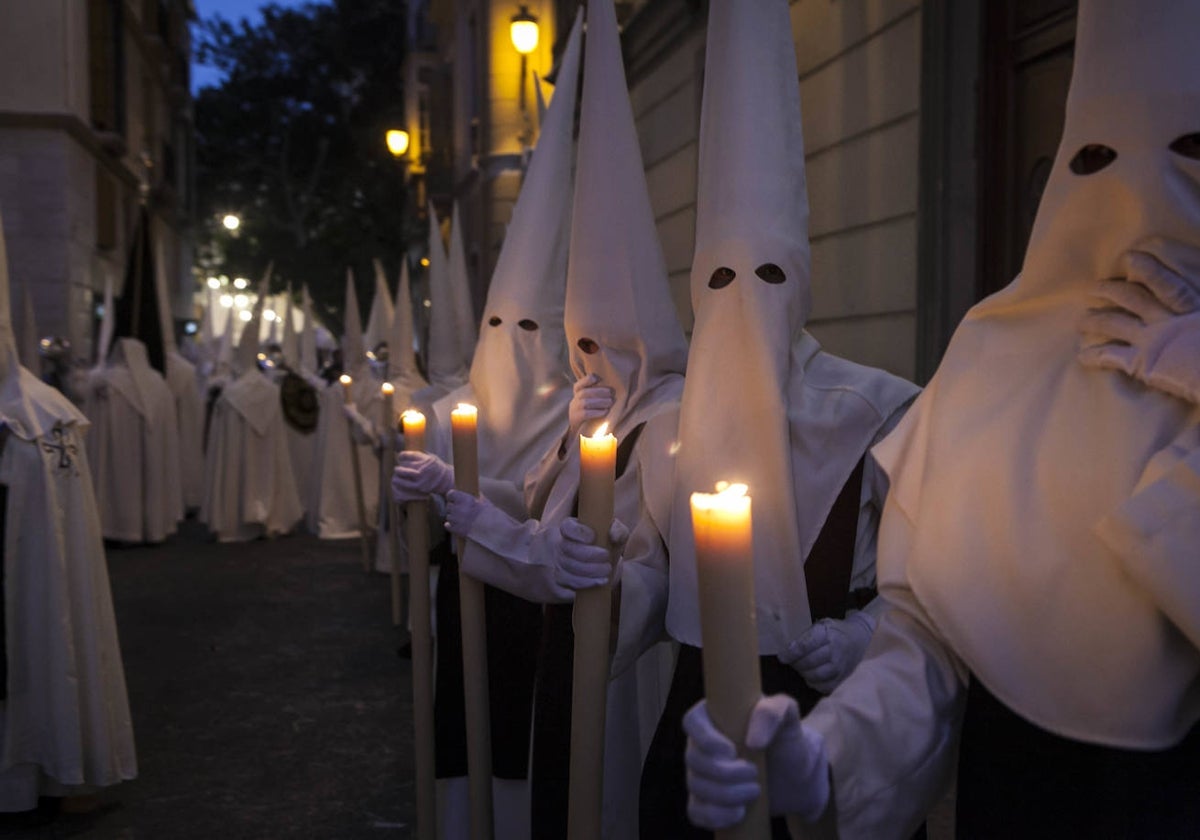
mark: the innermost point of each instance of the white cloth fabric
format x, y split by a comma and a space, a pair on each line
133, 444
332, 509
189, 411
379, 321
444, 357
249, 488
763, 404
29, 333
465, 327
308, 338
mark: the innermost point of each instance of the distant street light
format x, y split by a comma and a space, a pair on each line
240, 282
524, 31
226, 301
231, 222
397, 142
245, 315
214, 283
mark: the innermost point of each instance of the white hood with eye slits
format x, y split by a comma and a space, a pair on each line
1010, 465
618, 301
519, 376
762, 403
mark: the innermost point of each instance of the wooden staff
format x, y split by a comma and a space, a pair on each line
364, 534
592, 620
388, 512
417, 526
474, 637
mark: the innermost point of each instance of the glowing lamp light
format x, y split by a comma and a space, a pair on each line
241, 301
397, 142
240, 283
231, 222
245, 315
524, 31
226, 301
424, 262
213, 283
269, 314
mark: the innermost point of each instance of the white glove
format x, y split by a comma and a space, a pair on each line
419, 475
361, 428
829, 650
589, 401
1147, 327
462, 509
582, 565
721, 785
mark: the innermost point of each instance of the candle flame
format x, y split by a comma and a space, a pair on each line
345, 379
727, 490
601, 432
411, 414
388, 389
728, 495
465, 408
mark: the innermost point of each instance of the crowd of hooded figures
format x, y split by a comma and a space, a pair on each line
992, 581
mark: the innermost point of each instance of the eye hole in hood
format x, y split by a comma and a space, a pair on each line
527, 325
1188, 145
1092, 158
771, 273
721, 278
495, 321
588, 346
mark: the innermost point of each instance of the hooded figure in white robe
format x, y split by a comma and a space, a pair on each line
624, 338
333, 506
520, 381
65, 727
249, 488
189, 409
301, 417
133, 443
445, 362
379, 324
1037, 551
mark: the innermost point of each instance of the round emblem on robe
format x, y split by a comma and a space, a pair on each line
301, 407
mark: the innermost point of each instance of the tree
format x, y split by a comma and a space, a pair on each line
293, 142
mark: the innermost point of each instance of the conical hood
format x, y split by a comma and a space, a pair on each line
540, 95
460, 286
29, 332
104, 340
290, 346
618, 303
249, 342
379, 323
9, 363
1017, 464
207, 333
402, 360
520, 374
445, 359
308, 338
354, 357
137, 311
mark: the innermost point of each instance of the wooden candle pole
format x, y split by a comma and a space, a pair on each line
388, 513
592, 620
417, 525
474, 637
364, 536
729, 635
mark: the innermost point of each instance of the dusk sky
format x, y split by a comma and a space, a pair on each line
232, 10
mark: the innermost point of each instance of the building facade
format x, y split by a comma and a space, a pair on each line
95, 116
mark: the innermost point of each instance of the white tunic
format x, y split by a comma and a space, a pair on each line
189, 409
333, 507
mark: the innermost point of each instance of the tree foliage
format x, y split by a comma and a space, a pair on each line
293, 142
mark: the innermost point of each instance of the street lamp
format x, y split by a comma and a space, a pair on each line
397, 142
524, 31
231, 222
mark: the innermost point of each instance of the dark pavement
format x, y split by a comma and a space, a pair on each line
268, 700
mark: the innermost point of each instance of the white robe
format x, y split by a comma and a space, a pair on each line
65, 727
189, 409
134, 447
333, 507
249, 489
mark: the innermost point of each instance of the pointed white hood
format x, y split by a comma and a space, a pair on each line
403, 372
447, 368
460, 287
28, 406
104, 342
520, 376
762, 404
354, 356
618, 302
379, 322
29, 332
290, 346
248, 345
1015, 456
308, 338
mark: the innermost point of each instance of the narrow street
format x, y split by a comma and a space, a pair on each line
267, 695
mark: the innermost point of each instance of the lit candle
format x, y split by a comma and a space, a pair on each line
729, 636
474, 636
364, 543
419, 612
591, 619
